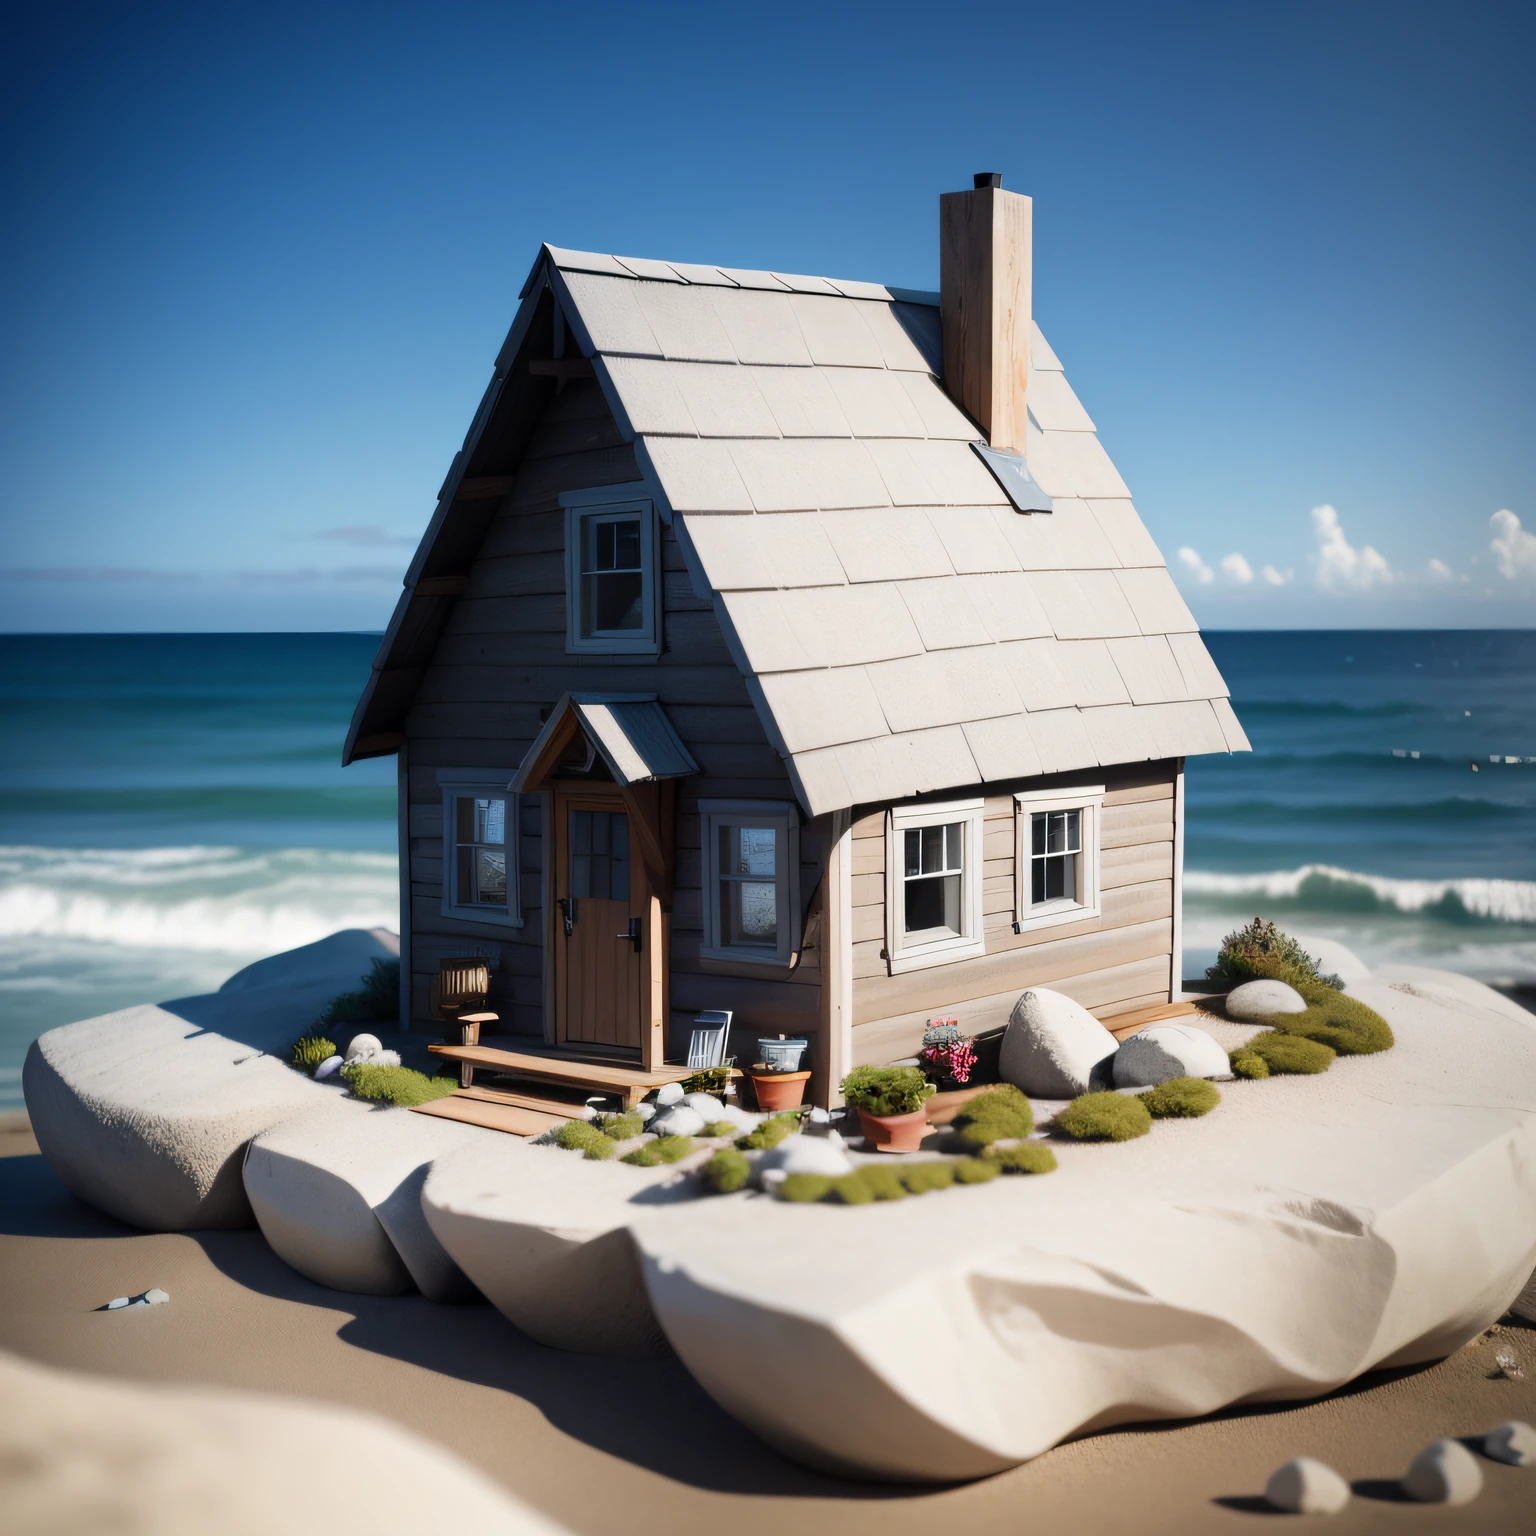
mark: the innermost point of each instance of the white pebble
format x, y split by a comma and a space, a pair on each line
1444, 1473
328, 1068
153, 1298
669, 1093
1307, 1487
1514, 1443
118, 1301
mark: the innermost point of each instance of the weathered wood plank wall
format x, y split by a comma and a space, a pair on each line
1115, 962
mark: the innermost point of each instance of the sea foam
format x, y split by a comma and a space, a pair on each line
1323, 887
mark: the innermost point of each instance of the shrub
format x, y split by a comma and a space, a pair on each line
311, 1051
664, 1149
1291, 1053
713, 1080
887, 1090
975, 1170
1181, 1098
874, 1181
1343, 1023
377, 998
1261, 949
727, 1171
1104, 1117
400, 1086
999, 1114
805, 1188
1022, 1157
1246, 1063
769, 1134
621, 1127
924, 1178
584, 1137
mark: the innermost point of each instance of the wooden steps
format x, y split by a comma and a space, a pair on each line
472, 1109
536, 1064
1123, 1025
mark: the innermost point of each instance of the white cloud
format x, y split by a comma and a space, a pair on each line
1273, 577
1339, 563
1439, 570
1192, 562
1235, 568
1513, 547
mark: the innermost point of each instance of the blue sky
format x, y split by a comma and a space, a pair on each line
259, 263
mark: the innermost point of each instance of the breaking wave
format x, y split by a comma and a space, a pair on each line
1324, 888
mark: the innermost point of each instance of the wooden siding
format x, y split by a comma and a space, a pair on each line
1111, 963
502, 660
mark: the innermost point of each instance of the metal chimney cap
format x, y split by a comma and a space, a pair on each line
987, 179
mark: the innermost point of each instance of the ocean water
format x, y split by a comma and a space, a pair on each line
173, 807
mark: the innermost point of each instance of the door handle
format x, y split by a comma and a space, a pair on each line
567, 913
632, 934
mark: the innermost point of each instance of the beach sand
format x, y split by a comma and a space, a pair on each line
604, 1445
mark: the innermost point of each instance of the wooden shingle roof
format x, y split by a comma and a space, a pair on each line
901, 627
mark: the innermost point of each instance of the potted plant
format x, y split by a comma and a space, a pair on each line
947, 1057
891, 1103
777, 1090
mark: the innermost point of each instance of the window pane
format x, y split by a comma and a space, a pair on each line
749, 912
490, 865
490, 821
1037, 834
748, 851
933, 902
913, 861
618, 842
463, 819
952, 859
626, 544
612, 602
1074, 831
1037, 879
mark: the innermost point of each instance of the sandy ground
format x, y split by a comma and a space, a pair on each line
604, 1445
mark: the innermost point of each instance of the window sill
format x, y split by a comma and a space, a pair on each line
723, 961
497, 917
939, 952
1054, 916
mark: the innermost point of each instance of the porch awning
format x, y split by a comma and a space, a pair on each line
629, 731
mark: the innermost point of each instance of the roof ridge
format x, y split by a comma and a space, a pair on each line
699, 274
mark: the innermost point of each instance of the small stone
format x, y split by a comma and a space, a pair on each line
155, 1296
1445, 1472
1513, 1443
364, 1045
1508, 1364
679, 1120
806, 1154
328, 1068
118, 1301
1162, 1051
1255, 1002
706, 1104
645, 1111
669, 1093
1307, 1487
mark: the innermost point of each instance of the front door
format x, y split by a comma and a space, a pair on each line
600, 902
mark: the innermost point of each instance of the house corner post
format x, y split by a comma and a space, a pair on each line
835, 1048
403, 837
1176, 960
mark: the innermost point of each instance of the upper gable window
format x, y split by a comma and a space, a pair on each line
611, 559
1057, 854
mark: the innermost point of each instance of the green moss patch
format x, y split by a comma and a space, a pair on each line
925, 1178
588, 1139
999, 1114
400, 1086
664, 1149
975, 1170
1344, 1024
1181, 1098
769, 1134
805, 1188
874, 1181
1104, 1117
309, 1052
727, 1171
1285, 1053
1023, 1157
1246, 1063
621, 1127
721, 1128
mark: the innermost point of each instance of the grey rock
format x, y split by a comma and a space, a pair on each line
1054, 1048
1307, 1487
1255, 1002
1162, 1051
363, 1046
679, 1120
1445, 1472
1513, 1443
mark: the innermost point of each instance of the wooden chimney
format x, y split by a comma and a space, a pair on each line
984, 283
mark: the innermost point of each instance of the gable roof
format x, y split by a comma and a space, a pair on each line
900, 626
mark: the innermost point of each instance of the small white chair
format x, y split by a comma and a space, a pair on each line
706, 1047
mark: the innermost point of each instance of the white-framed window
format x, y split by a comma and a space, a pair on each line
480, 846
933, 875
1057, 855
751, 877
612, 562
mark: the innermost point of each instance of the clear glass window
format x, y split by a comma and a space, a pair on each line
748, 886
599, 851
1056, 848
480, 851
933, 875
612, 575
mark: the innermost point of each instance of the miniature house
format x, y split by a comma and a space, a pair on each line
791, 647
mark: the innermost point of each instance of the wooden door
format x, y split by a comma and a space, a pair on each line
601, 898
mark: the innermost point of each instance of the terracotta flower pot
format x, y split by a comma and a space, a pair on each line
778, 1091
894, 1133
